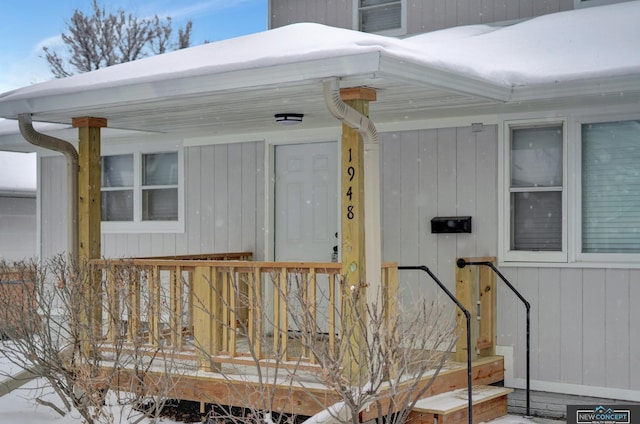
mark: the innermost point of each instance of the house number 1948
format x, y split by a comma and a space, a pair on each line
351, 173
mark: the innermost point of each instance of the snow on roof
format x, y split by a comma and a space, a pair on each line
596, 42
586, 43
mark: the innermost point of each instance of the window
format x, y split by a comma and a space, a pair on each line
381, 16
586, 209
536, 191
588, 3
141, 192
610, 195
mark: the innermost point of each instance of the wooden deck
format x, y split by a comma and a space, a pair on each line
222, 329
299, 393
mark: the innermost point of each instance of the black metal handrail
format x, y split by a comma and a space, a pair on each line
467, 316
461, 264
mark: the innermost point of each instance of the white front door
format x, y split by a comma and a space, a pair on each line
306, 208
306, 202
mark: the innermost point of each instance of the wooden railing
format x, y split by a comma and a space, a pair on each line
226, 310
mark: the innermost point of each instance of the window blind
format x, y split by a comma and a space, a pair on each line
611, 187
380, 15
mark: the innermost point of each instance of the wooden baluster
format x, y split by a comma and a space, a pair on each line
313, 313
113, 304
190, 300
232, 310
391, 292
217, 317
277, 322
284, 316
134, 305
176, 306
154, 305
203, 316
332, 311
224, 315
255, 313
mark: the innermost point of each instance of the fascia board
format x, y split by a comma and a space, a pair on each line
72, 100
419, 74
617, 85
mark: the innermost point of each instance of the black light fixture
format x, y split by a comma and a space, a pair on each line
289, 118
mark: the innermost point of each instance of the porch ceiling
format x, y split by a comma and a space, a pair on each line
252, 110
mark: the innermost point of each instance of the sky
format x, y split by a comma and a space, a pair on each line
28, 25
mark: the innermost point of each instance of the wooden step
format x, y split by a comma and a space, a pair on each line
489, 402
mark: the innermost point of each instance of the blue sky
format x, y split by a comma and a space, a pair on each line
27, 25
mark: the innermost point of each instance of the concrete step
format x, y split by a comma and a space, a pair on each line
489, 402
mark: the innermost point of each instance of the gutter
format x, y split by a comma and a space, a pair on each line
348, 115
71, 154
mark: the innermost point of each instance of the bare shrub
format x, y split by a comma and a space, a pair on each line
61, 325
397, 350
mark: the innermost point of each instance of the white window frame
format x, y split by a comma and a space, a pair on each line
579, 4
577, 254
391, 32
137, 225
504, 201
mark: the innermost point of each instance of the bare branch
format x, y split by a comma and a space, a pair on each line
100, 39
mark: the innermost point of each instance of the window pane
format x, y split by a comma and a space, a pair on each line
365, 3
611, 187
160, 204
160, 169
117, 205
380, 18
536, 157
117, 171
537, 221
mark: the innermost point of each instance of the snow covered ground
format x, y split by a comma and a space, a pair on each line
20, 406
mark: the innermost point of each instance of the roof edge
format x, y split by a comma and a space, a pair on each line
420, 74
189, 85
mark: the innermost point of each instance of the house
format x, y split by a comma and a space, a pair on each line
531, 129
17, 206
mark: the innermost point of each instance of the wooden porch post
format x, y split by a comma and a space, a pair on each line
88, 186
89, 207
354, 267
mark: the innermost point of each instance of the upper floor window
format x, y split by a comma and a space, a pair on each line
381, 16
141, 192
587, 3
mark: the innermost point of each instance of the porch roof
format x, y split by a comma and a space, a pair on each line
236, 86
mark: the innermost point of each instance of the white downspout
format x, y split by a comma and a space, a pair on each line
354, 119
71, 154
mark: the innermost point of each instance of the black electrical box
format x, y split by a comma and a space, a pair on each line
451, 224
